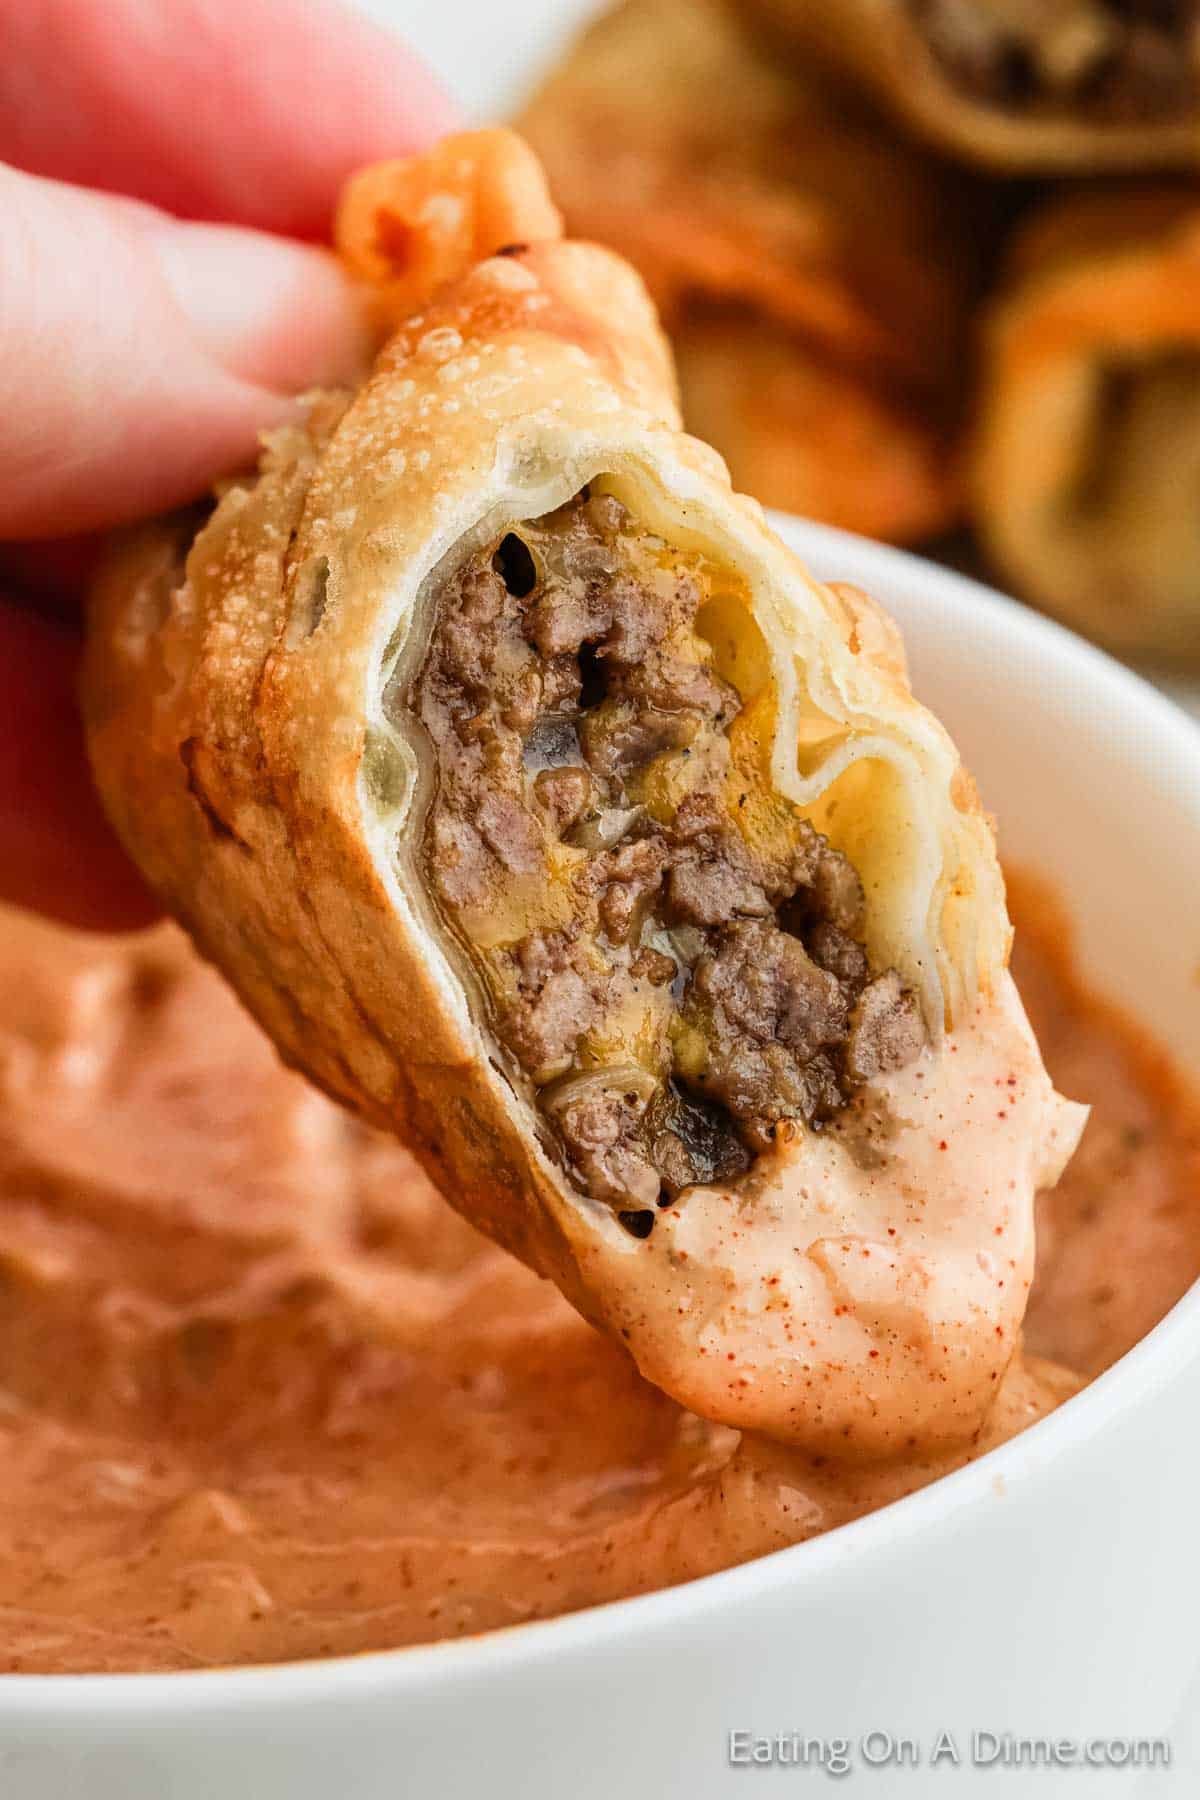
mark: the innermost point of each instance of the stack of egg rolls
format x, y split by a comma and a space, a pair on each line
810, 270
899, 297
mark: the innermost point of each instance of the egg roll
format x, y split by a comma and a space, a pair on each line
1017, 86
1086, 466
810, 271
546, 811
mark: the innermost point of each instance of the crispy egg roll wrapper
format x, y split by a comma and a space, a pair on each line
1086, 467
1016, 86
810, 271
253, 698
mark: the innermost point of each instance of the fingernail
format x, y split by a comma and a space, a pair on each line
274, 312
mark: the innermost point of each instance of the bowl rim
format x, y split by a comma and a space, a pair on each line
1144, 1369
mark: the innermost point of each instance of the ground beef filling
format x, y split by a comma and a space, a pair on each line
672, 954
1116, 61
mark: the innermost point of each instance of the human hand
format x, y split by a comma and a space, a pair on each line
141, 355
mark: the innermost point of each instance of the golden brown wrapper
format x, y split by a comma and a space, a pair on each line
409, 227
240, 725
809, 270
1086, 466
1017, 86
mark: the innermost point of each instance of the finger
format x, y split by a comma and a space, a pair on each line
58, 854
253, 112
139, 356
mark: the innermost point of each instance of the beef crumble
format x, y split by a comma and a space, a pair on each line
1114, 61
671, 952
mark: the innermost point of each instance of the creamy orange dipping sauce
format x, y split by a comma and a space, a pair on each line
263, 1395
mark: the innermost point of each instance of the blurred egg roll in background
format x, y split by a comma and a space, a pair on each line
1028, 86
1086, 471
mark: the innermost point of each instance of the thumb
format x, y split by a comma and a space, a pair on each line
141, 356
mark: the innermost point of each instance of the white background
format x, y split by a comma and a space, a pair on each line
487, 53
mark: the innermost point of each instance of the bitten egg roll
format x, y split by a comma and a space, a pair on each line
545, 810
1086, 471
809, 271
1019, 86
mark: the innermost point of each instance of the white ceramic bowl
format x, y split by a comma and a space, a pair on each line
1048, 1590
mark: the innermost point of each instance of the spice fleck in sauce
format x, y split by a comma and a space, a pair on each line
263, 1395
